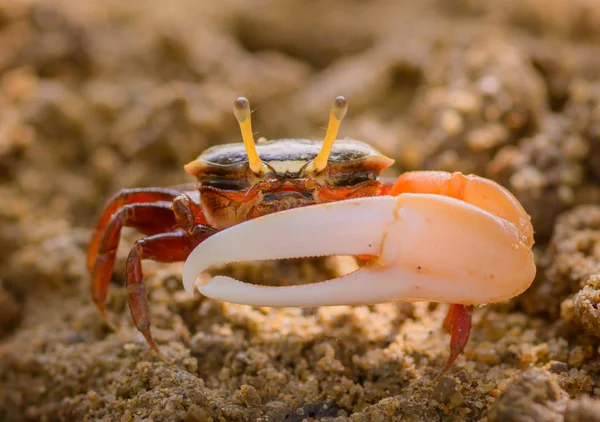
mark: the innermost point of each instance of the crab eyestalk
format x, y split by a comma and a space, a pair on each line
241, 110
336, 115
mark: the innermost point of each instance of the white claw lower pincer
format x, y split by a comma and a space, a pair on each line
425, 247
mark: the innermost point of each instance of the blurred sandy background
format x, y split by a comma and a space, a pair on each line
100, 95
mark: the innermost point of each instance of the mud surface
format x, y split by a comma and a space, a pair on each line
100, 95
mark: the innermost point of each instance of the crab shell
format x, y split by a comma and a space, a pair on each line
424, 246
230, 193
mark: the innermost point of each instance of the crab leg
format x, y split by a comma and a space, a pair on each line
121, 199
165, 247
458, 321
190, 217
182, 224
144, 215
478, 191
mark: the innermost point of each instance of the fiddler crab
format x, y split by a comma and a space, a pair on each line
426, 236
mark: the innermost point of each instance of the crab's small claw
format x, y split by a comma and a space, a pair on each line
424, 247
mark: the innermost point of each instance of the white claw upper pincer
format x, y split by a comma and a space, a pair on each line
425, 247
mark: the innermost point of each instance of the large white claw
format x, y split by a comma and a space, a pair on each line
428, 247
300, 232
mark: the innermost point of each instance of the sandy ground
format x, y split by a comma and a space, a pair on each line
100, 95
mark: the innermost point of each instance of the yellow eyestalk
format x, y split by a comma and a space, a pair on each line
241, 110
336, 115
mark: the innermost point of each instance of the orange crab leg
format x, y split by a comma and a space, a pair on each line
478, 191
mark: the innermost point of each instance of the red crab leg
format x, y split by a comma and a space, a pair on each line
157, 216
172, 245
458, 321
121, 199
448, 318
166, 247
190, 217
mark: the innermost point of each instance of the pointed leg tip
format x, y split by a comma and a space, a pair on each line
156, 353
150, 341
458, 321
104, 316
448, 365
454, 354
441, 374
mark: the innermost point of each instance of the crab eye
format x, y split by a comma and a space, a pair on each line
241, 110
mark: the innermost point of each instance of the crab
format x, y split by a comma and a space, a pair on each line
425, 236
